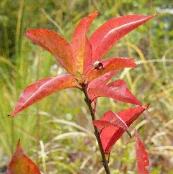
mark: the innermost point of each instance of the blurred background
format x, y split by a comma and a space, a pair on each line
57, 131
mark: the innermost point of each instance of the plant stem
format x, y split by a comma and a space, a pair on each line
88, 102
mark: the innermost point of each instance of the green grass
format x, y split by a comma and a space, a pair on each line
56, 132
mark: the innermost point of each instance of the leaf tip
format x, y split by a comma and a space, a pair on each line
28, 32
94, 13
12, 114
19, 147
132, 63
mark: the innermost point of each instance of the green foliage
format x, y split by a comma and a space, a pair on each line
22, 63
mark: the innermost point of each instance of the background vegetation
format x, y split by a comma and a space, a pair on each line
57, 132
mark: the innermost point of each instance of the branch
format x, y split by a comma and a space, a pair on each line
96, 132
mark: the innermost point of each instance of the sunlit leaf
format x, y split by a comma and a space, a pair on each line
104, 79
109, 135
41, 89
115, 121
113, 30
80, 44
100, 124
116, 90
55, 44
21, 164
112, 64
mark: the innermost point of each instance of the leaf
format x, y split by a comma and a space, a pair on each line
103, 79
116, 90
21, 164
100, 124
141, 156
113, 30
55, 44
80, 44
115, 121
112, 64
41, 89
109, 135
121, 123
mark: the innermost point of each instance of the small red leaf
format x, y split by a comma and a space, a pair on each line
104, 78
116, 90
113, 30
111, 134
100, 124
55, 44
141, 156
21, 164
80, 44
41, 89
121, 123
112, 64
115, 121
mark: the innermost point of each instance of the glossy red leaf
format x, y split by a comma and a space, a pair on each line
120, 122
141, 156
112, 64
109, 135
104, 79
113, 30
55, 44
123, 92
115, 121
116, 90
41, 89
100, 124
80, 44
21, 164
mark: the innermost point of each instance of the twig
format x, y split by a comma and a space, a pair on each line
96, 132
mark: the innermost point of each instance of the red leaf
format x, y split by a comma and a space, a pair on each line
103, 79
121, 123
113, 64
113, 30
100, 124
111, 134
21, 164
141, 156
55, 44
117, 90
41, 89
115, 121
80, 44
